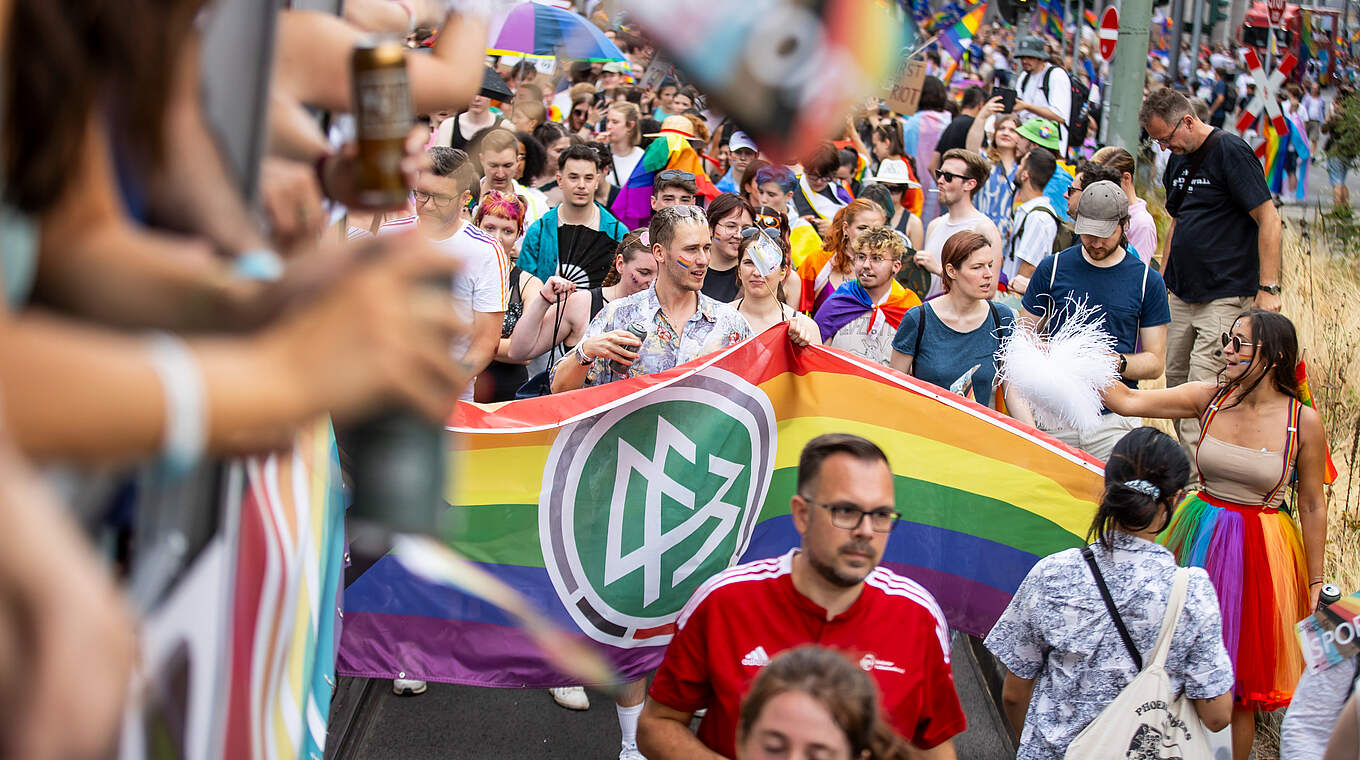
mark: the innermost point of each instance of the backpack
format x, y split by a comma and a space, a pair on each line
1148, 718
1064, 238
1229, 98
1076, 118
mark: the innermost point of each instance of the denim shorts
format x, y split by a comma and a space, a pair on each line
1337, 168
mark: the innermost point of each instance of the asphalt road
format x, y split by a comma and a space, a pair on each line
453, 722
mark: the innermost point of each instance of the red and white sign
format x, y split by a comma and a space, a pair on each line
1109, 32
1266, 92
1275, 10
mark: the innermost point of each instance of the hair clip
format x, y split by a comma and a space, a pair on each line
1145, 488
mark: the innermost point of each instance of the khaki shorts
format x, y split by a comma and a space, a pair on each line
1194, 349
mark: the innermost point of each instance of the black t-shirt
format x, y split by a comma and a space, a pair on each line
956, 134
721, 284
1213, 250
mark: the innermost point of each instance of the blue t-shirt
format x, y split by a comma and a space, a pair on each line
947, 354
1129, 294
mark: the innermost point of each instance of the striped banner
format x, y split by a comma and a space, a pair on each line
610, 505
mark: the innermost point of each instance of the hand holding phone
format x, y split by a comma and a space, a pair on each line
1007, 95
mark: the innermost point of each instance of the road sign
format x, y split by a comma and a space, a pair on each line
1109, 32
1275, 9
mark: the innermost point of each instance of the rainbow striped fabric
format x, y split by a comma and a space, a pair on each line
609, 506
633, 206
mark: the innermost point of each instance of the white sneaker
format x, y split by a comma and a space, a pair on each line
407, 687
630, 752
571, 697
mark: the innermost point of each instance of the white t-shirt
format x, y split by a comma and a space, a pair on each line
1031, 238
867, 336
1058, 99
938, 232
482, 285
624, 165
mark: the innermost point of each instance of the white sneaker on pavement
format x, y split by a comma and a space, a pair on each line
407, 687
571, 697
630, 752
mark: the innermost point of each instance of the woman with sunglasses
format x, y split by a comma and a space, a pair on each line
764, 266
1256, 437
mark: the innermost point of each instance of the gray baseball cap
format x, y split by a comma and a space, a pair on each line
1102, 207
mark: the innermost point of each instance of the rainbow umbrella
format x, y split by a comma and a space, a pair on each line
534, 29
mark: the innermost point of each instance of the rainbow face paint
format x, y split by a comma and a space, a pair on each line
683, 262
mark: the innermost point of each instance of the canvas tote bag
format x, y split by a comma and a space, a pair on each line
1148, 720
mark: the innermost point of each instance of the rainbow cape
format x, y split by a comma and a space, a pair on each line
1306, 396
633, 206
609, 506
959, 37
1272, 147
851, 300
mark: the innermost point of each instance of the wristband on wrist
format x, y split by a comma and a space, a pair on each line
182, 386
1314, 583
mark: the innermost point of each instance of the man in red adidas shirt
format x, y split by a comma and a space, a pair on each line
829, 592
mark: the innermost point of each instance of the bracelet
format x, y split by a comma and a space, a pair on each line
1314, 583
259, 264
182, 385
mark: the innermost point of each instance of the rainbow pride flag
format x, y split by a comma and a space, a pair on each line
957, 38
1306, 396
609, 506
633, 206
1089, 16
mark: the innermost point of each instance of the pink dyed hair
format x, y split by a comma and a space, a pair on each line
504, 205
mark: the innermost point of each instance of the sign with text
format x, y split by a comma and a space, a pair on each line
906, 90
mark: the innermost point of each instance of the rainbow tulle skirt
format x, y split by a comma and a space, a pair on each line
1254, 557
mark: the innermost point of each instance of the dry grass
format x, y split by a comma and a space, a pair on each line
1322, 296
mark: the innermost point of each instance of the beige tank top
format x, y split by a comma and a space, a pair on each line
1237, 473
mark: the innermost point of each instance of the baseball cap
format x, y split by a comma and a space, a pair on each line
1041, 132
1031, 47
741, 140
1102, 207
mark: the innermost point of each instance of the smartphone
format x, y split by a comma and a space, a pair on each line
1007, 96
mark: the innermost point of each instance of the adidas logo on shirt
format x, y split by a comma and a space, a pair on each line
756, 658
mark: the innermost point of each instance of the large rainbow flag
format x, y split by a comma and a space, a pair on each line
633, 205
609, 506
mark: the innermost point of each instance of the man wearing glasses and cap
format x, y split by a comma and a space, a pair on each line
830, 591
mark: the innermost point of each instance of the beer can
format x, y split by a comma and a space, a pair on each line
639, 331
383, 118
1330, 594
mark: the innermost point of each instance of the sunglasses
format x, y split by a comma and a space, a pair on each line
1236, 342
673, 175
767, 221
942, 177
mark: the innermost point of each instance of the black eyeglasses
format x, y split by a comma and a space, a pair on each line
848, 516
440, 200
942, 177
1236, 341
673, 175
1164, 141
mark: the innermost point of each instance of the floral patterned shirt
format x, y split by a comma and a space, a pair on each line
713, 326
1056, 630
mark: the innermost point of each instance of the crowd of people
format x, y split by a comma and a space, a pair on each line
912, 241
